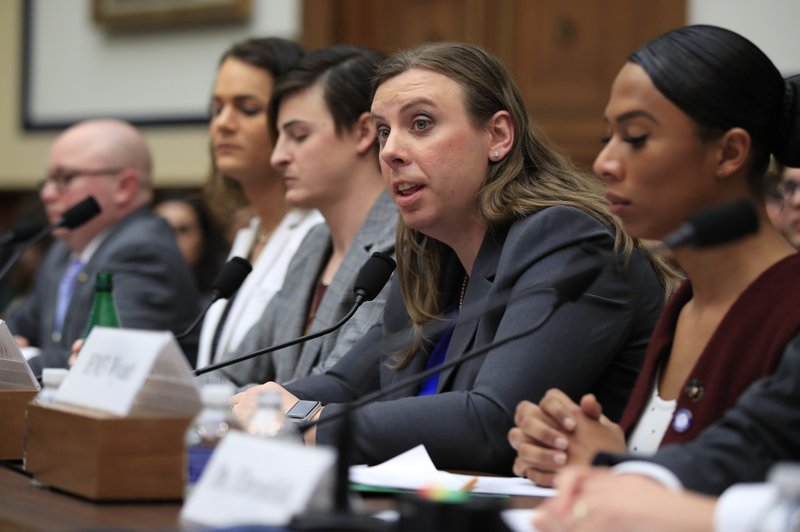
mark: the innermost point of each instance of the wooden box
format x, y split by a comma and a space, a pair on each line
12, 422
103, 457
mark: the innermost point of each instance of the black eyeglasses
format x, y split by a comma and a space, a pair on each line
61, 180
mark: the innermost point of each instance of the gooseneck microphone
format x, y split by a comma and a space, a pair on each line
77, 215
568, 287
17, 234
20, 233
707, 228
372, 277
721, 223
716, 225
226, 283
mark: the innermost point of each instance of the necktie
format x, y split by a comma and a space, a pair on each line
65, 290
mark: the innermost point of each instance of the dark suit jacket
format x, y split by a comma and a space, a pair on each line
285, 316
762, 429
153, 288
595, 344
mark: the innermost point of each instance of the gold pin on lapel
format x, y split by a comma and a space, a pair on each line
694, 389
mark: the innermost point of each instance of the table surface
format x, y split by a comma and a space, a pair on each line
24, 506
27, 506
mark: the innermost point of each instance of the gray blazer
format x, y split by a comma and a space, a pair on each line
595, 344
285, 317
153, 288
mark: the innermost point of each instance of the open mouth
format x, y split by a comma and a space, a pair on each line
407, 189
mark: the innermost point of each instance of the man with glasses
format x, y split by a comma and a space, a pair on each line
783, 204
153, 288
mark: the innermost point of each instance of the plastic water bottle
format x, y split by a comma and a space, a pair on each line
269, 420
784, 514
51, 380
104, 310
207, 429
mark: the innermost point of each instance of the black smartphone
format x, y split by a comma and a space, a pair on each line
303, 410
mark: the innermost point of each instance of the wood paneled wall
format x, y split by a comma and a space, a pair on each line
564, 54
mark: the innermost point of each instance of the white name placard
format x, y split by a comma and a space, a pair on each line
131, 371
252, 480
15, 373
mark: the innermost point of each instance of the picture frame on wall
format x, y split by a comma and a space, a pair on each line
146, 14
135, 62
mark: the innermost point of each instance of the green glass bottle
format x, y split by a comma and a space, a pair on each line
104, 311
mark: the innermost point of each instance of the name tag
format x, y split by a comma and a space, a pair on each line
260, 481
131, 372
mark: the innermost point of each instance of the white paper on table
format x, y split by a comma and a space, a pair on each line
15, 373
414, 470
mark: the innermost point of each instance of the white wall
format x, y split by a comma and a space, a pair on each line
177, 68
771, 24
134, 75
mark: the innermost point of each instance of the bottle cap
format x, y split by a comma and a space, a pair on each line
52, 377
217, 394
103, 281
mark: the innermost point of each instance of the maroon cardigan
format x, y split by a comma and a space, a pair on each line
746, 346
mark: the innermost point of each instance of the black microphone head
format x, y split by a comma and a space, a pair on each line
21, 232
231, 277
374, 275
723, 223
79, 213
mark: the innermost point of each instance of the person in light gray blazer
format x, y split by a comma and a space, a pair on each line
491, 218
326, 151
286, 315
153, 287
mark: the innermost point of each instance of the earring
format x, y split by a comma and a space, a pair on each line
495, 154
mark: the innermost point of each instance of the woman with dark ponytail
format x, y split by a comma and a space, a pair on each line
693, 118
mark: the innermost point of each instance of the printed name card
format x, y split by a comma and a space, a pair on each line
131, 372
253, 480
15, 373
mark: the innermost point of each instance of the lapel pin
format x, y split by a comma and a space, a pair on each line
682, 420
694, 389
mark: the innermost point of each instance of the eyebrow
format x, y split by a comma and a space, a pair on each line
420, 100
292, 123
630, 115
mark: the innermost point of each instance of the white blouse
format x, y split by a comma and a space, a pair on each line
653, 424
258, 288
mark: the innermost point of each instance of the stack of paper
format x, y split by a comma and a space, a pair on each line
414, 470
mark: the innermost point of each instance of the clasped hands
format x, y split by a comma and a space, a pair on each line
599, 500
557, 432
